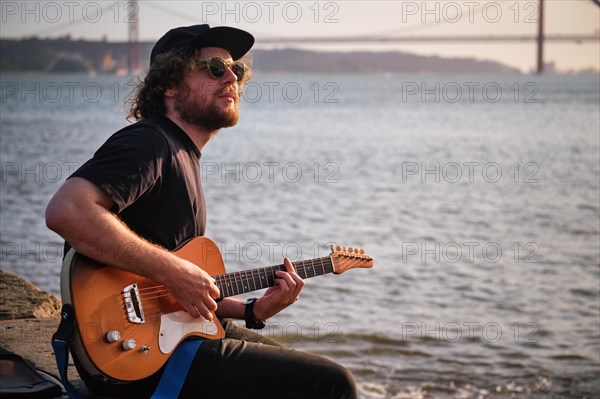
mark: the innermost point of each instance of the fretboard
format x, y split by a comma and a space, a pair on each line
237, 283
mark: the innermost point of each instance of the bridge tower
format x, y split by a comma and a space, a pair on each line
540, 41
133, 47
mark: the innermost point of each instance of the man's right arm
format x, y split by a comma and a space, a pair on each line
80, 213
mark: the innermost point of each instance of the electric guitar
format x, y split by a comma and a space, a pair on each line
127, 326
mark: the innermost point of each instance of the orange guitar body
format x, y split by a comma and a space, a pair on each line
95, 291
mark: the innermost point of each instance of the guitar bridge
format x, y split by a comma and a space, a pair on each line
133, 304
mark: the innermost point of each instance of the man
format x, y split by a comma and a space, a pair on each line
142, 190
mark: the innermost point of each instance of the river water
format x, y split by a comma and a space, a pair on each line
478, 197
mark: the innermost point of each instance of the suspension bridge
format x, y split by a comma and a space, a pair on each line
539, 39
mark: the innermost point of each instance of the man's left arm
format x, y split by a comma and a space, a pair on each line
283, 294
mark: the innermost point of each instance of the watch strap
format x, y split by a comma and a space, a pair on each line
250, 318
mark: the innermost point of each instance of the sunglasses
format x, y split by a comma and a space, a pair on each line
217, 66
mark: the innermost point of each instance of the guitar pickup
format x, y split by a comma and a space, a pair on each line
133, 304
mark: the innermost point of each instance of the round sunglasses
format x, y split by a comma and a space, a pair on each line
217, 66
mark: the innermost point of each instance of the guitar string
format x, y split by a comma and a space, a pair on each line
241, 277
237, 277
151, 287
153, 309
158, 296
226, 282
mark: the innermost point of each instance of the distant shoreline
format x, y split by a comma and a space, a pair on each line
66, 55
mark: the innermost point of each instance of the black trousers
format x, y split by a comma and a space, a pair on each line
248, 365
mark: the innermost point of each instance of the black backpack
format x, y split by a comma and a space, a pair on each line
19, 379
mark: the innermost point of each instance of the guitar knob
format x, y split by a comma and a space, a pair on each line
113, 336
129, 344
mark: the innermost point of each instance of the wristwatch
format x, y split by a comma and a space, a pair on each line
249, 316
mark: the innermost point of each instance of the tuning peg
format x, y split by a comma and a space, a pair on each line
338, 248
345, 249
361, 251
332, 249
350, 249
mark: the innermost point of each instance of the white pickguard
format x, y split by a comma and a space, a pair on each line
174, 326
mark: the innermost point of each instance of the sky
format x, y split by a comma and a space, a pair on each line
110, 20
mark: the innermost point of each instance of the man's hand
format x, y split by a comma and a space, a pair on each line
194, 289
279, 297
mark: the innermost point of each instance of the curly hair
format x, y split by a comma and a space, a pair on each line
168, 70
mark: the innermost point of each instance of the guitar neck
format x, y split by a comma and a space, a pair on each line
236, 283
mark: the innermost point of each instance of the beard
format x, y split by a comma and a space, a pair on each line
205, 113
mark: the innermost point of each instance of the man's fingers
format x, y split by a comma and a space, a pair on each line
193, 311
197, 311
214, 291
212, 305
283, 281
298, 282
200, 310
289, 266
291, 285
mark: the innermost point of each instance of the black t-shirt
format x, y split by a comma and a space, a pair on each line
151, 169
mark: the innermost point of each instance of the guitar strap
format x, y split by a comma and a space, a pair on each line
177, 369
170, 383
60, 344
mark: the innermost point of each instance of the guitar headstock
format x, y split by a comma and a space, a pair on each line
349, 258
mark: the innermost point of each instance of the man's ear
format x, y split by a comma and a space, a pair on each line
170, 92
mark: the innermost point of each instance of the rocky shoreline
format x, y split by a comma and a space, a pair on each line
22, 300
28, 319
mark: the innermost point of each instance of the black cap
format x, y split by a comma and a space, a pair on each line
234, 40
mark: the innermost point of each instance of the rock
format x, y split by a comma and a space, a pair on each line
28, 319
19, 299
